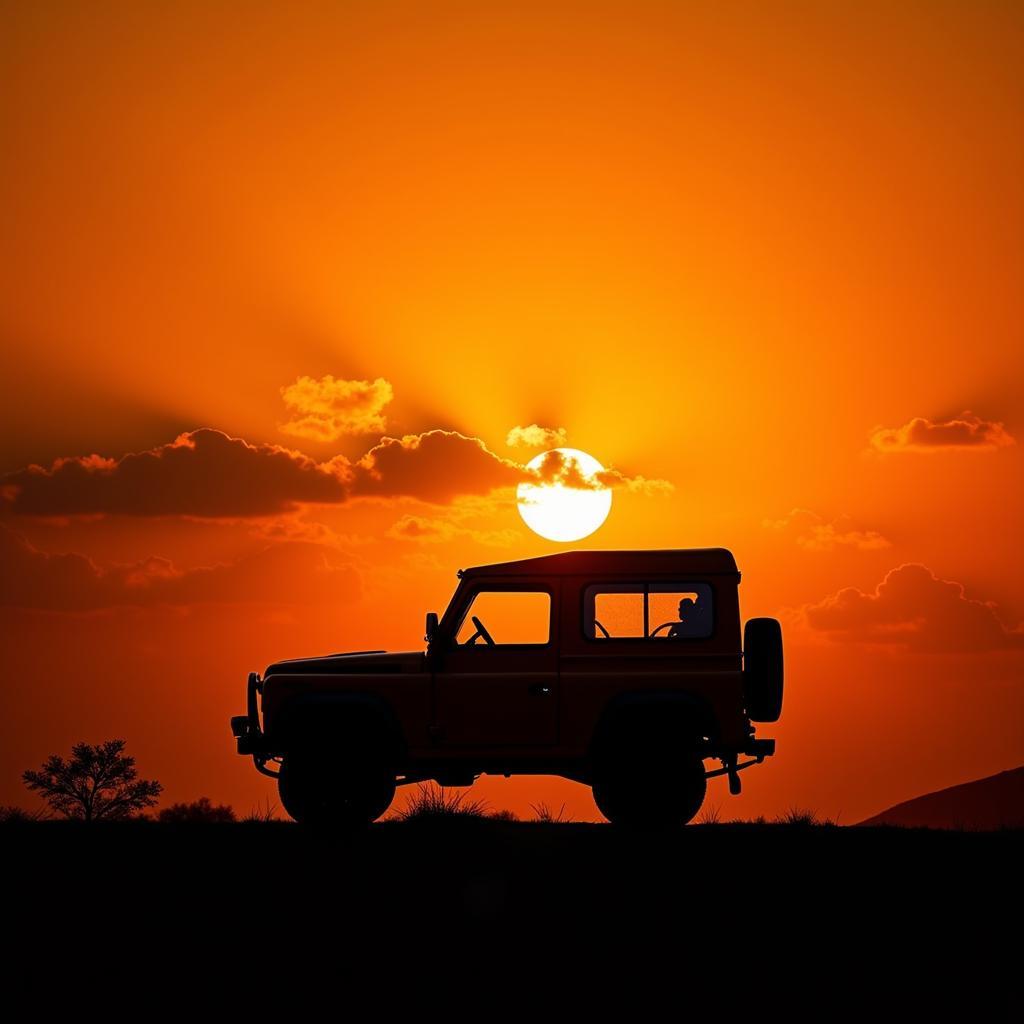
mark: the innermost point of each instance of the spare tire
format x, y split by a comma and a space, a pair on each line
762, 669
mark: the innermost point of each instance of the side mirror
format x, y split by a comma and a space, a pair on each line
431, 627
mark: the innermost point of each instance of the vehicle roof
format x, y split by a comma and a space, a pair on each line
671, 562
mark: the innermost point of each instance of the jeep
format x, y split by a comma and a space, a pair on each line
621, 670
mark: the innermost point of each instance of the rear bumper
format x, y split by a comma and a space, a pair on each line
759, 748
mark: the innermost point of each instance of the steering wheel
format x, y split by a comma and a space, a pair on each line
481, 630
664, 625
603, 630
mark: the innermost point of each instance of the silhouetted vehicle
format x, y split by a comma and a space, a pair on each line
622, 670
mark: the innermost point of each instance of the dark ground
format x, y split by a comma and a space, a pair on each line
751, 901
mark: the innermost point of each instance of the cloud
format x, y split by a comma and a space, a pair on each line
535, 436
813, 532
635, 484
437, 467
913, 608
423, 530
201, 473
556, 468
419, 528
207, 474
965, 431
326, 409
306, 573
295, 527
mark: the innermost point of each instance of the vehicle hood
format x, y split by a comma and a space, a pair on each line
351, 662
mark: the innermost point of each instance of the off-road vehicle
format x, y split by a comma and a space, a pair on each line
622, 670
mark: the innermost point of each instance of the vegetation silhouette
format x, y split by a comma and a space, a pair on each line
802, 818
98, 783
546, 815
198, 812
262, 814
503, 815
710, 816
19, 816
433, 803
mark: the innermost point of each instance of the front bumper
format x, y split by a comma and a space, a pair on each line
246, 728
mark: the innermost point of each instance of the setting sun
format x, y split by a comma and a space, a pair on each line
560, 512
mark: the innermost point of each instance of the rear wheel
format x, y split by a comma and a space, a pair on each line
328, 792
636, 792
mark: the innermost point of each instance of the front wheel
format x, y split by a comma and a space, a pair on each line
666, 798
327, 793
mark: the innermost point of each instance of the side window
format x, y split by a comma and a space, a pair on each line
652, 611
616, 609
679, 611
506, 617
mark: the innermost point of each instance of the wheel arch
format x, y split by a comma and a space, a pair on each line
658, 710
328, 718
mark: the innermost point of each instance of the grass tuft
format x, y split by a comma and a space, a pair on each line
800, 817
548, 816
710, 816
503, 816
261, 813
431, 802
199, 812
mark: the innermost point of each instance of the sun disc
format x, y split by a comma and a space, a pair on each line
565, 513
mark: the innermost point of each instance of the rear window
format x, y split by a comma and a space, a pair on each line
647, 611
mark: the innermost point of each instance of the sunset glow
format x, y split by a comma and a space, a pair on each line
307, 307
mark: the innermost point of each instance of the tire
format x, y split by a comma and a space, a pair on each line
633, 793
763, 669
327, 792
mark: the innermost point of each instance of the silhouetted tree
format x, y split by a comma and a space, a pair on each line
199, 812
98, 783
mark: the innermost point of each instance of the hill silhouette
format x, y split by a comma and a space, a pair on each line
996, 801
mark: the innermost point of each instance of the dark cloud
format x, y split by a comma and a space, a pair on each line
923, 435
913, 608
207, 474
305, 573
201, 473
558, 468
437, 466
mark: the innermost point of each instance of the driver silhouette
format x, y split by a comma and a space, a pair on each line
688, 611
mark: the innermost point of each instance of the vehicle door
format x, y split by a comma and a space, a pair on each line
496, 683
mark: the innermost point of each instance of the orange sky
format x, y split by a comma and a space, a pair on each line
770, 255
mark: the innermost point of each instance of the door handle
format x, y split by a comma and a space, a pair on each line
538, 690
